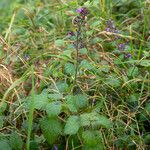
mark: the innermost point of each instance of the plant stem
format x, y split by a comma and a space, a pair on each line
77, 52
31, 111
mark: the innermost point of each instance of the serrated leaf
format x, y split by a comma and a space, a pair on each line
1, 121
72, 125
51, 129
53, 109
81, 100
56, 96
94, 119
59, 42
113, 81
70, 69
92, 140
62, 86
15, 141
3, 108
40, 101
86, 65
132, 71
145, 63
71, 104
4, 145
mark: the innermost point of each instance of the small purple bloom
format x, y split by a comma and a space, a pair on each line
70, 34
108, 29
83, 11
121, 46
79, 10
26, 57
128, 55
55, 147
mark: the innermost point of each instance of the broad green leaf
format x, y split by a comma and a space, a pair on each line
51, 129
59, 42
56, 96
62, 86
86, 65
72, 125
81, 100
41, 101
1, 121
71, 104
53, 108
4, 145
92, 140
3, 108
113, 81
15, 141
132, 71
145, 63
94, 119
70, 69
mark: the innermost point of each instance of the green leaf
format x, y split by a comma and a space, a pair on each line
62, 86
53, 109
15, 141
3, 108
132, 71
71, 104
92, 140
4, 145
56, 96
41, 101
81, 100
70, 69
59, 42
86, 65
72, 125
113, 81
145, 63
94, 119
51, 129
1, 121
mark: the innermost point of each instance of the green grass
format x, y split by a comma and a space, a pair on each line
53, 95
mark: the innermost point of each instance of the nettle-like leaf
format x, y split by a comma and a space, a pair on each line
71, 104
51, 129
72, 125
70, 69
40, 101
86, 65
132, 71
113, 81
62, 86
53, 108
92, 140
145, 63
55, 96
4, 145
15, 141
76, 102
1, 121
81, 100
94, 119
59, 42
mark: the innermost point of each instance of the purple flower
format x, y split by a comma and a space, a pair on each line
121, 46
70, 34
83, 11
108, 29
55, 147
128, 55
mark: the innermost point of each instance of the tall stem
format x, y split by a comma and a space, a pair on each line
77, 52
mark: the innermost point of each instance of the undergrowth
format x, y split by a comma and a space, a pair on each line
74, 75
